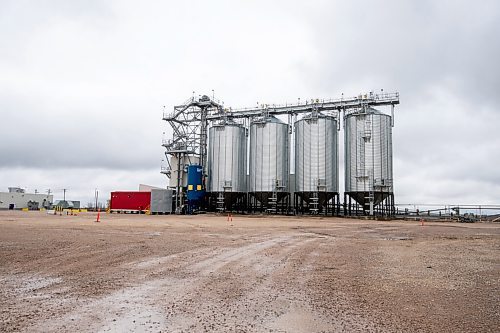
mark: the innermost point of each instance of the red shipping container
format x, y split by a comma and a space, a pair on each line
130, 200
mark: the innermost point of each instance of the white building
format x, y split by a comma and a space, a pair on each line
16, 198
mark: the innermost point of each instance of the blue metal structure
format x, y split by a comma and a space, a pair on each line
195, 187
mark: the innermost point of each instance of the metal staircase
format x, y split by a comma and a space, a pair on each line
273, 203
220, 202
314, 203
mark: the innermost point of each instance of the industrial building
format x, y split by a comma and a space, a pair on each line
246, 156
67, 204
17, 198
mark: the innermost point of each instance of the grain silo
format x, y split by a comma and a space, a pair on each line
368, 161
316, 164
227, 156
269, 164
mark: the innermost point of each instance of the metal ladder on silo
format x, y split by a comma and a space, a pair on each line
371, 193
220, 202
273, 202
314, 203
368, 130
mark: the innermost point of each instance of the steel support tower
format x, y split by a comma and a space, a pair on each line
189, 141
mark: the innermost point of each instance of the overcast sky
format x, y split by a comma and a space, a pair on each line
83, 83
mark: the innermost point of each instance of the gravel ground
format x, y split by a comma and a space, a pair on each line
136, 273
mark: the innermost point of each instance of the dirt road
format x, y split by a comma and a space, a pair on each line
133, 273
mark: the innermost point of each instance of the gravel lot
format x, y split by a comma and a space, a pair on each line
137, 273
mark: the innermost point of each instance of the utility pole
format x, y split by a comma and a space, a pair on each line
64, 194
96, 198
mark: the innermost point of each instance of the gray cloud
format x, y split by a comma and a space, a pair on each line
83, 82
75, 139
410, 46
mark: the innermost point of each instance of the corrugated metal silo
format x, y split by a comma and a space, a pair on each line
227, 156
316, 162
368, 157
269, 163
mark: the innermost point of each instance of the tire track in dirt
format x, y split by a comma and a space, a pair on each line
146, 306
261, 286
258, 274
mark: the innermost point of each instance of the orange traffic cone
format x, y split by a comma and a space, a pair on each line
98, 215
